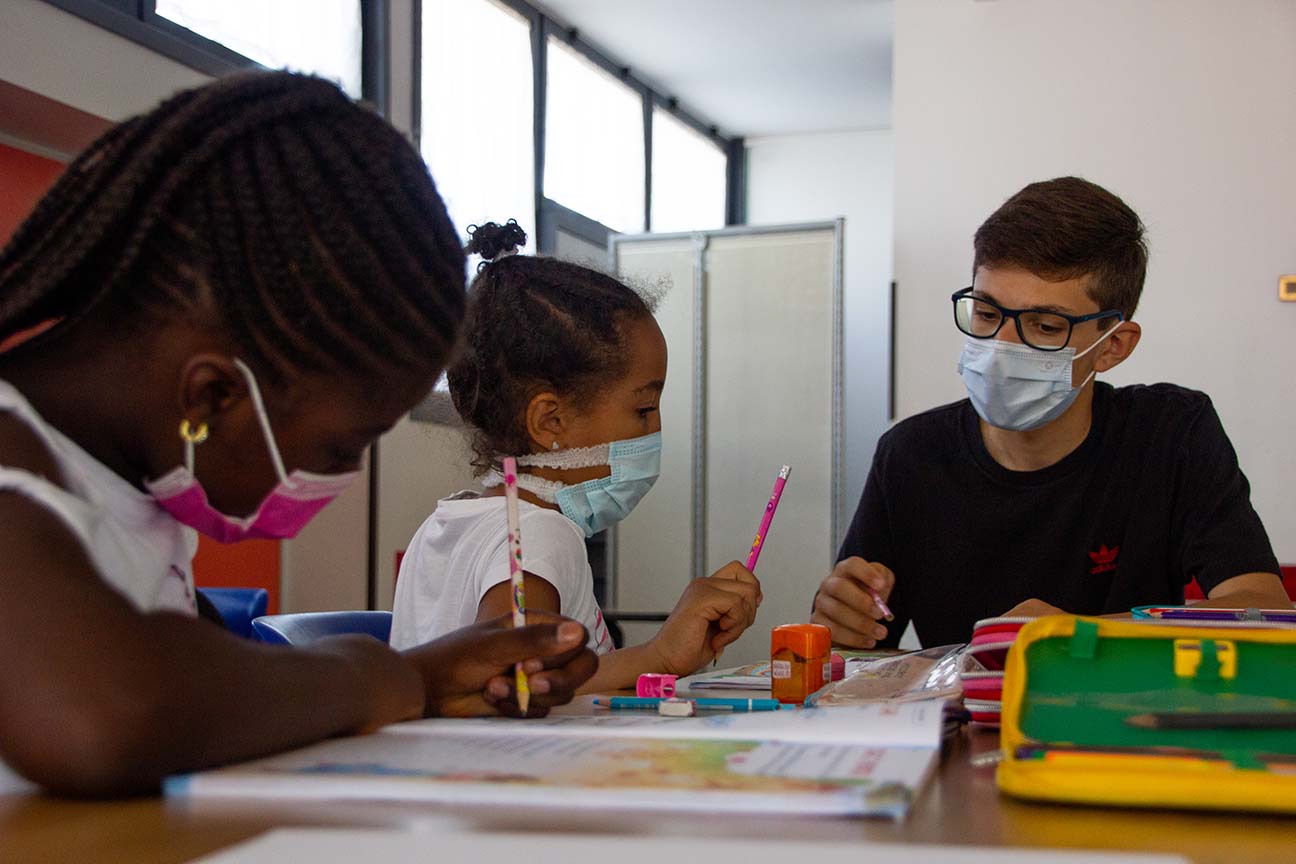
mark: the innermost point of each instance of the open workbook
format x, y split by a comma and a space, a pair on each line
848, 760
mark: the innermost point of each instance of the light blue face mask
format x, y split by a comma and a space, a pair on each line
1017, 387
596, 505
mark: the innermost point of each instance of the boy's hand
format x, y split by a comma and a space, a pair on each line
470, 672
711, 613
846, 607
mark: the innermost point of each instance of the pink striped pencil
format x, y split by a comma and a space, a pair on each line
515, 569
763, 530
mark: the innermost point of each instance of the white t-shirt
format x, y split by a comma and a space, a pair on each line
461, 552
135, 545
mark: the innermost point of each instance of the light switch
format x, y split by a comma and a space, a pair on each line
1287, 288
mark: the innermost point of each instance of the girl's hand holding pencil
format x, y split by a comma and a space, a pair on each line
471, 671
711, 613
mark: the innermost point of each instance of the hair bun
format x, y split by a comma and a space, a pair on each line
493, 241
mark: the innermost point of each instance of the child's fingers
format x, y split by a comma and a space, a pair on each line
736, 610
498, 689
748, 591
731, 609
723, 638
558, 686
735, 572
552, 640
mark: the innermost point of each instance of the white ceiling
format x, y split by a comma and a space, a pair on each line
752, 67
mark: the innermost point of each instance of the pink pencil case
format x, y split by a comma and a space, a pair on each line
982, 685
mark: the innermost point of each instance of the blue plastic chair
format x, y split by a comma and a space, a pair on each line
238, 607
303, 628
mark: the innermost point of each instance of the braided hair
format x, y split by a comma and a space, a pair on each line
268, 204
533, 324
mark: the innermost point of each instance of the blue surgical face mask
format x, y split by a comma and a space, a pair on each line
596, 505
1017, 387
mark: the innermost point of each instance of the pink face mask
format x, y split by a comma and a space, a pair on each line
292, 503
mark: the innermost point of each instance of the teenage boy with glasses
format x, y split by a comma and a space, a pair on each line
1046, 491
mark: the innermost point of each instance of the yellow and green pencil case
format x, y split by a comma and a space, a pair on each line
1072, 686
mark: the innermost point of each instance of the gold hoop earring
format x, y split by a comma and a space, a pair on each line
191, 435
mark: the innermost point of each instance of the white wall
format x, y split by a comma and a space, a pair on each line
1184, 108
70, 60
801, 178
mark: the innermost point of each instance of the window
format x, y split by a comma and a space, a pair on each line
688, 177
477, 112
318, 36
594, 141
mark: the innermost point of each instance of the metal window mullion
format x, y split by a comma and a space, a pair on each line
838, 384
540, 77
375, 54
648, 157
700, 244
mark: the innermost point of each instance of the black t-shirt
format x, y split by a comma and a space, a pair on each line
1152, 498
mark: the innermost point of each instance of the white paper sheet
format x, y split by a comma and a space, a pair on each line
341, 846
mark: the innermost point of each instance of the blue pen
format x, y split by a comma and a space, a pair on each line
714, 704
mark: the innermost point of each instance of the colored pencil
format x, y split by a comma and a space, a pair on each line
768, 517
515, 570
716, 704
1215, 720
881, 604
1286, 616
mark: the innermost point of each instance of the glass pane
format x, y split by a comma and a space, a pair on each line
477, 134
594, 142
688, 177
318, 36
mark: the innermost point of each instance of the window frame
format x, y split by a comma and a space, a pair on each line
734, 150
138, 21
544, 26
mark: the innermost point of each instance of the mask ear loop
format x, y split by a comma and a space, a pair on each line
263, 419
1093, 373
1098, 341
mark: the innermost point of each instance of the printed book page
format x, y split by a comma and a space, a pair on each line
490, 768
913, 724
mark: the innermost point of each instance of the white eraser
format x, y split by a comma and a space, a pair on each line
676, 708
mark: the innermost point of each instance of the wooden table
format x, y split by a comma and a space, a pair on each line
961, 806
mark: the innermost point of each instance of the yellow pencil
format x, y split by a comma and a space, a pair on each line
515, 569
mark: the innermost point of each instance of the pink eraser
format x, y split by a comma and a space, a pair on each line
656, 685
838, 667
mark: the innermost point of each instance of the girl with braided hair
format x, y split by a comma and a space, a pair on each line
203, 325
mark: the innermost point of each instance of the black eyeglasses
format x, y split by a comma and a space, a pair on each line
982, 318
